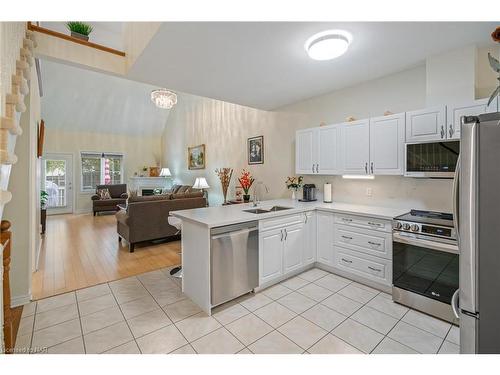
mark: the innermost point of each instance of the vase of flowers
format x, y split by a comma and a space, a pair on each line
246, 180
225, 175
294, 184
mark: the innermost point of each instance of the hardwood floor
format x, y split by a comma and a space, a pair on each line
79, 251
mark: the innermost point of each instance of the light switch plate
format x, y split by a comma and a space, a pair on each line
369, 192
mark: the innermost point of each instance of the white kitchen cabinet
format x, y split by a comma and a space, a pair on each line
427, 124
293, 245
324, 225
355, 146
306, 151
271, 255
387, 134
329, 150
317, 150
309, 250
456, 111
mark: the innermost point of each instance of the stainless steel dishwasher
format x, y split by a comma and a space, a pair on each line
234, 261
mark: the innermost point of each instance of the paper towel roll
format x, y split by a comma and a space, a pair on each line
327, 193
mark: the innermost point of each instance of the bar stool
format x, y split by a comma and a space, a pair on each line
176, 223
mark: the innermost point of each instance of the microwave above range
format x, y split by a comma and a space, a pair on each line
431, 159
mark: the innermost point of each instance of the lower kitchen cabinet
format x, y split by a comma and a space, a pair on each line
324, 236
293, 245
270, 255
310, 238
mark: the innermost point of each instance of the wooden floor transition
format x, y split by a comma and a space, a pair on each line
79, 251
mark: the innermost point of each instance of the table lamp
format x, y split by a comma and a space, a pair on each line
201, 183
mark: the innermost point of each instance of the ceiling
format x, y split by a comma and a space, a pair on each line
83, 100
264, 65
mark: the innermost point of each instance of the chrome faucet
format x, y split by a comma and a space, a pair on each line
256, 189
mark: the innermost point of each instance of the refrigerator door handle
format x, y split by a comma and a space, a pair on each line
456, 199
454, 304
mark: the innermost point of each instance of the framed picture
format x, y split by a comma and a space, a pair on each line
196, 157
256, 150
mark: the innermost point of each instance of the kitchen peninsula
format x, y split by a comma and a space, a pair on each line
282, 238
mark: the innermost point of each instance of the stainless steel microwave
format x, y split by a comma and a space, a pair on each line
431, 159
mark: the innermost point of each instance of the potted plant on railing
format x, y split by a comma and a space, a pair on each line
44, 196
246, 180
294, 184
79, 29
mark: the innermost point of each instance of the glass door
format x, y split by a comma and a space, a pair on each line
57, 181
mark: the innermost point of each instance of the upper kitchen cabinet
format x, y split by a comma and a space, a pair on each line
427, 124
317, 150
355, 146
455, 113
387, 134
306, 151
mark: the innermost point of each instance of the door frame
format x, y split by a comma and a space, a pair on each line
55, 155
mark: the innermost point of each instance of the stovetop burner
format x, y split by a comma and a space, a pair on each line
428, 217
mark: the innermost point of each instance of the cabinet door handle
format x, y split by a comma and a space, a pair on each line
305, 219
286, 234
374, 224
374, 243
346, 219
375, 269
347, 237
366, 168
442, 131
346, 260
313, 168
371, 166
281, 235
317, 168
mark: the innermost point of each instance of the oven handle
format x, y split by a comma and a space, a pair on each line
449, 248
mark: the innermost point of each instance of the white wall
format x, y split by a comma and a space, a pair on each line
224, 128
138, 152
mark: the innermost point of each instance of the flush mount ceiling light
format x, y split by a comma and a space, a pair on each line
328, 44
164, 98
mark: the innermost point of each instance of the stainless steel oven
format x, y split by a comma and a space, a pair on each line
431, 159
425, 262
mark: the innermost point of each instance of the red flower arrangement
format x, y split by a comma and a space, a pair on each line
246, 180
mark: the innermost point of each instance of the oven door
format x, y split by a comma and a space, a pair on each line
425, 267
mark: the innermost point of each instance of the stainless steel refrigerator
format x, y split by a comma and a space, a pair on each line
477, 210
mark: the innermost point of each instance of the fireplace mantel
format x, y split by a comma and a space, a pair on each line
140, 183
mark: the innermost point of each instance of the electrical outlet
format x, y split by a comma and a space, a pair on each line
369, 192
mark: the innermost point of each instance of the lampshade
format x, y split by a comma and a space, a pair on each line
165, 172
201, 183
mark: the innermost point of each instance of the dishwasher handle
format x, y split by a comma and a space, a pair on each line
233, 233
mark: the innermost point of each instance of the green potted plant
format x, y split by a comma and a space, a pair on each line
44, 196
79, 29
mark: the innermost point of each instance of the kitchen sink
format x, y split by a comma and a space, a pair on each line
257, 211
264, 211
278, 208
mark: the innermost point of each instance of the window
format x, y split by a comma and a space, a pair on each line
101, 169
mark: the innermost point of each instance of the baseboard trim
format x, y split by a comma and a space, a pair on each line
20, 300
83, 211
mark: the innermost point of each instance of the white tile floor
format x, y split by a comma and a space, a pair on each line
315, 312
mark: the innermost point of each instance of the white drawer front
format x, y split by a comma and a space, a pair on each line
280, 222
367, 241
376, 269
364, 222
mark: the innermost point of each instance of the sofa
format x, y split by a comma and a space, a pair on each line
146, 218
118, 193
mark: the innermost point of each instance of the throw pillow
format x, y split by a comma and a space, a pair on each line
103, 194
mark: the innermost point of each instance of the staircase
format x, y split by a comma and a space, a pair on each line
16, 59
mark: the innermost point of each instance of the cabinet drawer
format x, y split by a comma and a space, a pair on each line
373, 268
281, 221
364, 222
367, 241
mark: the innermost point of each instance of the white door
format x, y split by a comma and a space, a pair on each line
387, 144
324, 222
427, 124
329, 153
292, 250
57, 182
306, 151
309, 249
271, 255
455, 113
356, 147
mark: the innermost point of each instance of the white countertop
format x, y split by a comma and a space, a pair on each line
233, 214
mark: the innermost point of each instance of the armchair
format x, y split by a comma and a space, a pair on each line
118, 195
